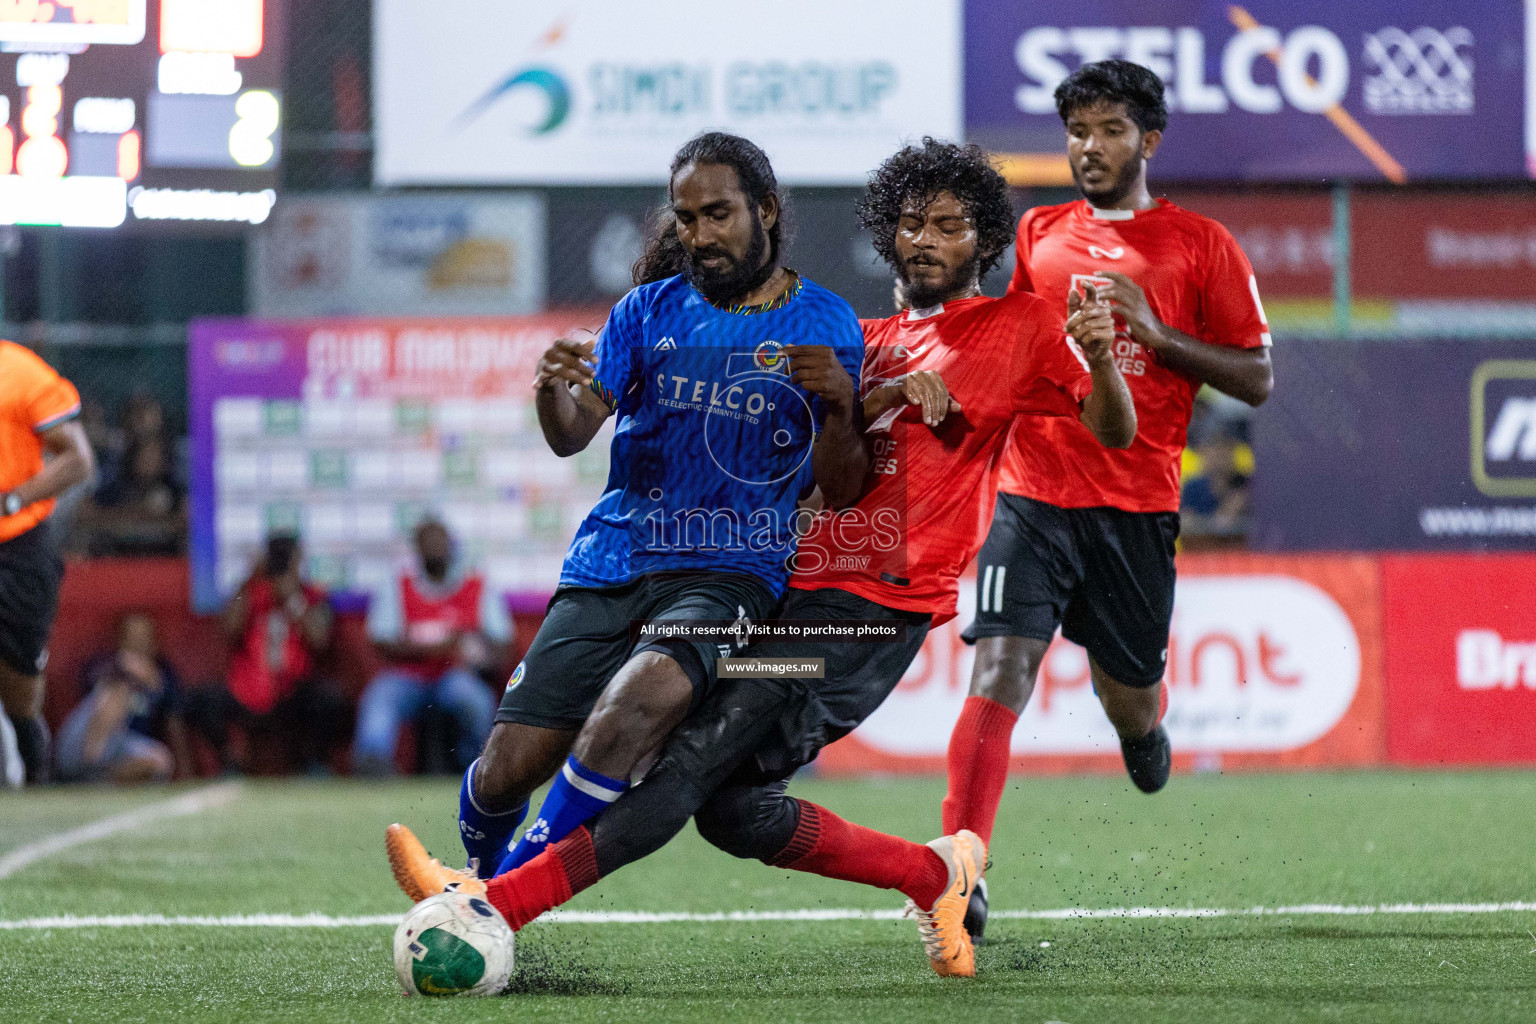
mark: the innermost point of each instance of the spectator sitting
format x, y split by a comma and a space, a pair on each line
128, 728
278, 626
436, 628
141, 510
1215, 496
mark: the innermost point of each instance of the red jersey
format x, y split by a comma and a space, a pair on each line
433, 614
272, 656
1197, 281
928, 498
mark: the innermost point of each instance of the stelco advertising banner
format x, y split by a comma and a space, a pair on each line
348, 432
1397, 445
1271, 661
402, 255
604, 91
1264, 90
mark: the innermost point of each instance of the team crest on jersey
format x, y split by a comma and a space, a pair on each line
517, 675
769, 355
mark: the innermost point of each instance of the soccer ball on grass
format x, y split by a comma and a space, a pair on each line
453, 944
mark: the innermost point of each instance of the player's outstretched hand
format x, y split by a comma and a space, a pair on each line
1091, 323
566, 360
1130, 302
815, 368
925, 388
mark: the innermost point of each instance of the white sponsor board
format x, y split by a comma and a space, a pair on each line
1256, 663
604, 91
405, 255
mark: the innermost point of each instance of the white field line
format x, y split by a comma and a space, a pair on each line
188, 803
646, 917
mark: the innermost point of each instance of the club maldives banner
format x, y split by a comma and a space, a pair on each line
348, 432
1265, 90
1461, 655
1272, 661
1397, 445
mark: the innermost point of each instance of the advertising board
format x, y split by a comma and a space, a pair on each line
1301, 90
604, 91
1397, 445
349, 431
401, 255
1460, 658
1271, 662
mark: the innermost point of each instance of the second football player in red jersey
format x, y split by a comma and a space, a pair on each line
943, 383
1083, 537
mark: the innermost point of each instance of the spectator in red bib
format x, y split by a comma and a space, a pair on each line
279, 626
436, 627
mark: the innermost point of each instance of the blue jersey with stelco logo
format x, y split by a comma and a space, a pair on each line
712, 448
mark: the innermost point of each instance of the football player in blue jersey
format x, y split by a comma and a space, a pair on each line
733, 382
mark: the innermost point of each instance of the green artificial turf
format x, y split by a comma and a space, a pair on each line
1208, 841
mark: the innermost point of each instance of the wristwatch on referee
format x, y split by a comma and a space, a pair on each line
10, 503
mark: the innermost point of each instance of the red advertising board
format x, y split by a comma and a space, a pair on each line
1455, 247
1273, 662
1287, 236
1460, 658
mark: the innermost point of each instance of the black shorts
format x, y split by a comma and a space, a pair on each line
586, 638
1104, 575
859, 675
30, 574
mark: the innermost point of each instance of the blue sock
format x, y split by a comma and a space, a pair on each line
578, 795
486, 837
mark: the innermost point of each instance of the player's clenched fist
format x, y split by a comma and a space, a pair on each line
815, 368
566, 360
1091, 323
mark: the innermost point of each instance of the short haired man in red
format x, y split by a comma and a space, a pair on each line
1082, 536
279, 625
435, 626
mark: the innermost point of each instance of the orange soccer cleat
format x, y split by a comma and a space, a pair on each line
420, 875
942, 929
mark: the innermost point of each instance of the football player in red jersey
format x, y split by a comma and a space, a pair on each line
943, 382
1083, 536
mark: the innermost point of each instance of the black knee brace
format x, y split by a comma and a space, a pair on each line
752, 822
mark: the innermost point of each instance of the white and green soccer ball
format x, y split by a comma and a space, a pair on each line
453, 944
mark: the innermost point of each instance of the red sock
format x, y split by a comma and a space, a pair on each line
978, 766
545, 882
826, 845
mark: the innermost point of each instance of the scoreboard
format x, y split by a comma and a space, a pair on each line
121, 111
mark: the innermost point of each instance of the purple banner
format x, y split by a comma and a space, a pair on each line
1304, 90
1395, 445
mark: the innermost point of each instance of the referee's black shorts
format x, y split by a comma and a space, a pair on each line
30, 574
1103, 575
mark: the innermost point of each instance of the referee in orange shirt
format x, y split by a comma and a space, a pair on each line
38, 412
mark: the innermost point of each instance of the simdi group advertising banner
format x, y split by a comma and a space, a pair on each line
1271, 662
1265, 90
604, 91
348, 432
1397, 445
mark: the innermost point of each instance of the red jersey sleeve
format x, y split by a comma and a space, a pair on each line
1230, 310
1049, 374
1020, 281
